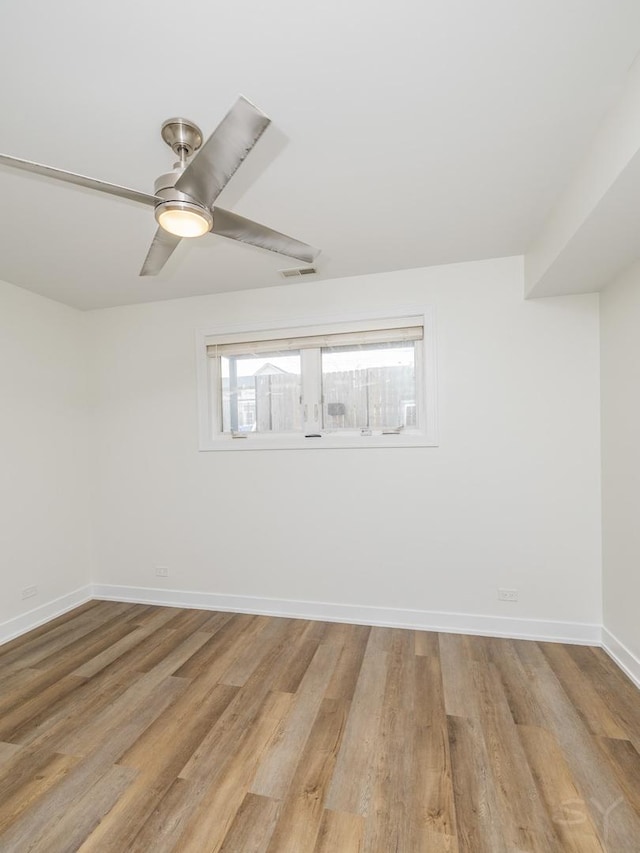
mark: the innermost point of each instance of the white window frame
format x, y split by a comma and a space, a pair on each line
211, 438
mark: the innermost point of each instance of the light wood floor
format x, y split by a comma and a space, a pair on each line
133, 728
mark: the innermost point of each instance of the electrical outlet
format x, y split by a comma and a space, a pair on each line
162, 571
29, 591
507, 594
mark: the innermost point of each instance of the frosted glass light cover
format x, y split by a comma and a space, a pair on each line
183, 222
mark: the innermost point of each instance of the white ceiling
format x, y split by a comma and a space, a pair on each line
404, 135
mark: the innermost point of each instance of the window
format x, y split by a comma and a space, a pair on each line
260, 392
339, 384
364, 386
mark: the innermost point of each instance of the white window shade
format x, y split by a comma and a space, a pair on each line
315, 340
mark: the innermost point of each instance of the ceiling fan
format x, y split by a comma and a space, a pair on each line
183, 198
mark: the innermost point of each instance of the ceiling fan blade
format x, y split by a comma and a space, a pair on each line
80, 180
228, 224
208, 173
159, 252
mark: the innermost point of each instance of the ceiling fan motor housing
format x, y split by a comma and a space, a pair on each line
176, 202
165, 186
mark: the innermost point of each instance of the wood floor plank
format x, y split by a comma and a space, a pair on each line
432, 802
289, 681
34, 687
248, 653
72, 711
95, 663
38, 823
8, 750
352, 641
216, 620
166, 640
609, 680
184, 725
82, 741
457, 675
33, 650
20, 772
390, 823
625, 761
340, 831
105, 611
223, 765
215, 799
85, 812
523, 817
252, 826
162, 827
23, 640
24, 717
353, 780
436, 842
222, 739
136, 657
23, 690
595, 778
29, 650
303, 807
190, 620
85, 646
140, 728
426, 644
23, 796
14, 683
281, 759
571, 820
517, 684
477, 814
591, 707
379, 639
224, 646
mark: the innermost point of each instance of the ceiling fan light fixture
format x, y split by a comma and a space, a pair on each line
183, 219
183, 198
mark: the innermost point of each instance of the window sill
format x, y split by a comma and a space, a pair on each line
326, 441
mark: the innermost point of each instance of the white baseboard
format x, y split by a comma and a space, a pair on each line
388, 617
625, 659
44, 613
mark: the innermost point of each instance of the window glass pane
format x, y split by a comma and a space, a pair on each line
369, 387
261, 393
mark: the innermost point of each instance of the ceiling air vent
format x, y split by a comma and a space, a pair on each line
296, 272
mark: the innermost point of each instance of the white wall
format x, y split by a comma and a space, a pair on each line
593, 198
620, 325
44, 490
511, 497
